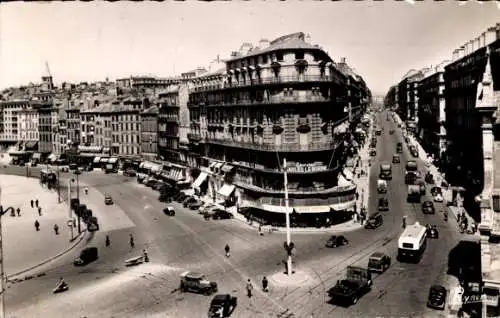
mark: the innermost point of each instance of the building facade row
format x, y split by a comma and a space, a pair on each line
453, 110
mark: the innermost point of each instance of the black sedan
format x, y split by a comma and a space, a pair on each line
336, 241
383, 204
222, 306
437, 297
373, 152
432, 232
428, 207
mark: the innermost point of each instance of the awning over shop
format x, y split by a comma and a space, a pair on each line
175, 174
104, 160
156, 168
227, 168
17, 153
113, 160
226, 190
37, 155
52, 157
201, 178
212, 165
97, 159
106, 149
343, 206
95, 149
218, 165
31, 144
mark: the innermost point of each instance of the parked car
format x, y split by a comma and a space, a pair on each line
87, 255
374, 221
151, 183
64, 169
220, 214
169, 211
336, 241
195, 205
206, 207
383, 204
130, 173
396, 158
399, 147
108, 200
437, 297
197, 283
379, 262
181, 197
222, 305
188, 200
373, 152
428, 207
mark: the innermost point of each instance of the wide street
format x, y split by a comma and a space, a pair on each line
106, 288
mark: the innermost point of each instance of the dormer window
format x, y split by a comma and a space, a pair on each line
264, 59
299, 55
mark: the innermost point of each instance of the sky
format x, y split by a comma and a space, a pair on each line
97, 40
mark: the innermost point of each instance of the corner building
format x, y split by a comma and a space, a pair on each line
285, 99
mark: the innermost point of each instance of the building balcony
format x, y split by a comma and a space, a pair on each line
299, 169
335, 195
273, 147
273, 100
168, 134
194, 137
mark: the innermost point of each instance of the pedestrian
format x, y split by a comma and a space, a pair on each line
132, 244
260, 230
86, 190
145, 254
227, 249
37, 225
265, 284
108, 242
40, 211
32, 203
249, 288
56, 229
18, 212
36, 203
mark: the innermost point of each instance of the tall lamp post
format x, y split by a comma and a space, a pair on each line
77, 173
289, 246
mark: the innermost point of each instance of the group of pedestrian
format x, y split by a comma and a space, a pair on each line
36, 204
249, 286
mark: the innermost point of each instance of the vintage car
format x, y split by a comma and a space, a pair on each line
432, 232
373, 152
383, 204
108, 200
336, 241
396, 158
379, 262
169, 211
222, 305
428, 207
197, 283
129, 173
437, 297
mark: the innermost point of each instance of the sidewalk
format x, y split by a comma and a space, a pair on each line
23, 246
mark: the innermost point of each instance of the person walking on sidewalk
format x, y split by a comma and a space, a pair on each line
131, 240
36, 203
40, 211
108, 242
265, 284
37, 225
249, 288
32, 203
86, 190
227, 249
56, 229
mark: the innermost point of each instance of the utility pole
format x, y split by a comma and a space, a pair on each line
2, 273
288, 234
59, 187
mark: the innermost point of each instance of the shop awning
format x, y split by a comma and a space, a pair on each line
31, 144
175, 174
17, 153
212, 165
95, 149
226, 190
97, 159
37, 155
201, 178
227, 168
113, 160
155, 168
218, 165
104, 160
343, 206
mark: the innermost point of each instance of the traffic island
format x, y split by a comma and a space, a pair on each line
297, 279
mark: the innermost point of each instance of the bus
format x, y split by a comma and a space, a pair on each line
412, 243
385, 172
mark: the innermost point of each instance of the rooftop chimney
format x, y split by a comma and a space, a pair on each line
307, 38
455, 55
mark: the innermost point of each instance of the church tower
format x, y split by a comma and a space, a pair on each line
47, 82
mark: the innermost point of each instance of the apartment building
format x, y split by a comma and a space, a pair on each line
149, 133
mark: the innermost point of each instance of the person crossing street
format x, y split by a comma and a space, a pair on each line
249, 288
265, 284
227, 249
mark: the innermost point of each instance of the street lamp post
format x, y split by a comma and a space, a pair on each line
2, 273
288, 246
77, 173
